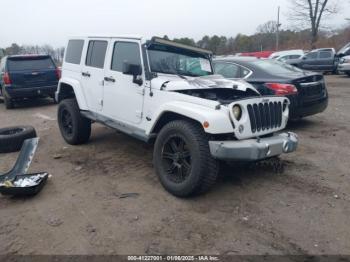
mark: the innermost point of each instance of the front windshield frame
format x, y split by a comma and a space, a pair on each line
184, 53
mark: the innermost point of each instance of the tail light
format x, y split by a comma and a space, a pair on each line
282, 89
58, 73
6, 78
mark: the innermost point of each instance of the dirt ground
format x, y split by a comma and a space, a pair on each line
82, 209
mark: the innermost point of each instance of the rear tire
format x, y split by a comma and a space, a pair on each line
8, 102
75, 128
12, 138
54, 99
182, 159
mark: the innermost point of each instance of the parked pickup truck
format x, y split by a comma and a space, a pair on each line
164, 92
323, 60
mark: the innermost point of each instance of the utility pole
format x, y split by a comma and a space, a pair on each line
278, 29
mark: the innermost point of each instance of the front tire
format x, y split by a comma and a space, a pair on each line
75, 128
182, 159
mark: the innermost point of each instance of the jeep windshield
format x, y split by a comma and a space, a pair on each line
178, 61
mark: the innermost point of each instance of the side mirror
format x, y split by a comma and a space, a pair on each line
304, 58
135, 71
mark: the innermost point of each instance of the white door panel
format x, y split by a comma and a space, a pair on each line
123, 99
93, 73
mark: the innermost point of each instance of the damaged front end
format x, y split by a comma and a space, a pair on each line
224, 96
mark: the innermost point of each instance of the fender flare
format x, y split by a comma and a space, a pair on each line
219, 121
78, 91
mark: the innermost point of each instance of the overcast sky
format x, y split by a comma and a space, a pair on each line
53, 21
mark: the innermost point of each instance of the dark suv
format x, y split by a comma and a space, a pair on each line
27, 76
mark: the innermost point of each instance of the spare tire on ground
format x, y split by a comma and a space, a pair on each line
12, 138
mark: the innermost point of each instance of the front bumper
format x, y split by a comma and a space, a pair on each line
254, 149
28, 92
344, 67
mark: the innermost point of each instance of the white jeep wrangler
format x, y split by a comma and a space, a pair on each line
158, 90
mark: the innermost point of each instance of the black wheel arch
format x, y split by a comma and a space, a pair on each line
167, 117
66, 91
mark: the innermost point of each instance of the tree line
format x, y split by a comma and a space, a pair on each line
308, 14
263, 39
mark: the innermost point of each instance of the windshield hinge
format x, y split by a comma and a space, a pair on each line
139, 114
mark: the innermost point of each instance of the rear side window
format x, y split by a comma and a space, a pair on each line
324, 55
74, 51
227, 70
125, 52
96, 53
30, 64
245, 72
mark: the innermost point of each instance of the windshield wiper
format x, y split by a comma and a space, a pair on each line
181, 76
173, 73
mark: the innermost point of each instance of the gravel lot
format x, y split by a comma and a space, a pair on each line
82, 209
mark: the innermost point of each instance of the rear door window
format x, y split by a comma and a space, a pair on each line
96, 53
284, 58
125, 52
30, 63
74, 51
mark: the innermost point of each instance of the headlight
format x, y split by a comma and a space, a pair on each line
237, 112
344, 60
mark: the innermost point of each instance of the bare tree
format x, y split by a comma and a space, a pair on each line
310, 13
269, 27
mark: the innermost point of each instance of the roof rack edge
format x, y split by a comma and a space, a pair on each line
160, 40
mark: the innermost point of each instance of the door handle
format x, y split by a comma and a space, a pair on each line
109, 79
87, 74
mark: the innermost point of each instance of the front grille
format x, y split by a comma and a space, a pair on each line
265, 116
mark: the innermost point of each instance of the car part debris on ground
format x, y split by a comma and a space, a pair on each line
16, 182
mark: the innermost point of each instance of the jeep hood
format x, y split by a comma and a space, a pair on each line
177, 83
